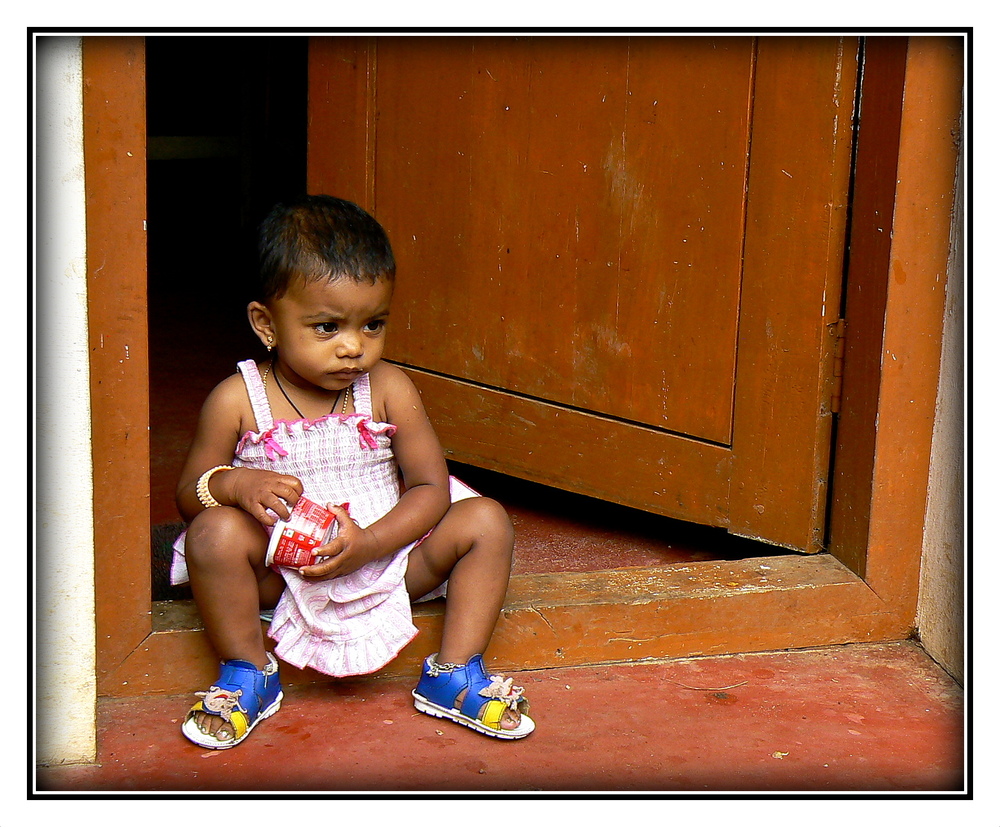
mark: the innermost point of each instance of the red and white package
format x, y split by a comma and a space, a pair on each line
294, 541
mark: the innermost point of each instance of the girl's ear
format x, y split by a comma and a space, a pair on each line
260, 321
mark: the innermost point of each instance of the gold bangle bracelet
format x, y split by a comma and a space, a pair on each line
201, 489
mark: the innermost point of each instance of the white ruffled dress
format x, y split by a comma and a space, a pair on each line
357, 623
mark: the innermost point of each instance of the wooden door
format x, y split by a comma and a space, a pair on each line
619, 259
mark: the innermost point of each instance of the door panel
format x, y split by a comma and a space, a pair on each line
577, 221
613, 255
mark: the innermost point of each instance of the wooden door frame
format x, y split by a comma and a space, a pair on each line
114, 149
770, 603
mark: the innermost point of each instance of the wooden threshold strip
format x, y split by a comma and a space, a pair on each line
580, 618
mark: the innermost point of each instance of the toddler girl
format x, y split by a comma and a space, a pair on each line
324, 417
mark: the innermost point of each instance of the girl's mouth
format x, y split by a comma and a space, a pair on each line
347, 374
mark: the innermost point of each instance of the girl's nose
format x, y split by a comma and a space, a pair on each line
350, 347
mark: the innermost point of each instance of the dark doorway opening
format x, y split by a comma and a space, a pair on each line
226, 138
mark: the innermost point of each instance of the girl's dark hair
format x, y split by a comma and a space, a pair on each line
321, 237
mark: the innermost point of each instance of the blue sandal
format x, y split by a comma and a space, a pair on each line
487, 701
243, 696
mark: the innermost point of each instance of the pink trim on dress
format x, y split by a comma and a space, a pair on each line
366, 428
269, 428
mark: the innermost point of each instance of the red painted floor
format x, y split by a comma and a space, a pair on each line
859, 718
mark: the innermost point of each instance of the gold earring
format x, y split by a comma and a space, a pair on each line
270, 343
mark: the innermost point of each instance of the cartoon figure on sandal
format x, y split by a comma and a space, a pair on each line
221, 702
323, 418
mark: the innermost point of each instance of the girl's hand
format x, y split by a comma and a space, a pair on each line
258, 492
348, 551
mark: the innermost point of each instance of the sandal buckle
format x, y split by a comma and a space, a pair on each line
434, 668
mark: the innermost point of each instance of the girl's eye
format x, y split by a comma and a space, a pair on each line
327, 327
375, 326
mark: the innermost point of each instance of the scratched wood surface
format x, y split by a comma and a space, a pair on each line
794, 261
880, 116
114, 105
577, 618
588, 199
635, 243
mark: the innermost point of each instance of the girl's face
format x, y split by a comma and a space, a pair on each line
327, 333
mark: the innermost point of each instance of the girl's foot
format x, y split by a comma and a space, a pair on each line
241, 698
463, 693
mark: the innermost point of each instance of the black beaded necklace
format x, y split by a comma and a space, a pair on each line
346, 392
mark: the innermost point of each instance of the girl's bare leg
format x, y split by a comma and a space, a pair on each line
471, 548
225, 550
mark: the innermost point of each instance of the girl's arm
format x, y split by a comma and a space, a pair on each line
224, 417
425, 499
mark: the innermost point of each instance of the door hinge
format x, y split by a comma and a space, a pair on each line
839, 330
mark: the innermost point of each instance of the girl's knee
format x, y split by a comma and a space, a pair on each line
222, 531
485, 517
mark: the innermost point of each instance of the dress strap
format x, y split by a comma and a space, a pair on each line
362, 392
257, 394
